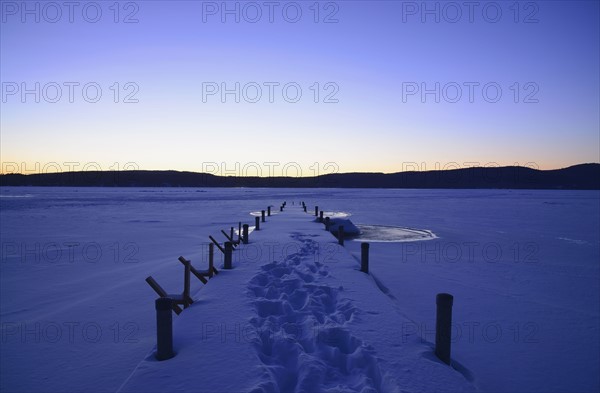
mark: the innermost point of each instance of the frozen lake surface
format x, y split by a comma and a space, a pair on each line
76, 314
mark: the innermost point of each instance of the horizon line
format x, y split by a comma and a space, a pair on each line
308, 177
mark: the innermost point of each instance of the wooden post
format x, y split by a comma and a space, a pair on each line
269, 211
231, 233
262, 214
316, 211
304, 208
245, 234
257, 223
164, 328
341, 235
157, 288
443, 326
364, 257
193, 270
161, 292
327, 223
228, 250
211, 259
227, 236
216, 243
186, 284
281, 208
239, 232
321, 216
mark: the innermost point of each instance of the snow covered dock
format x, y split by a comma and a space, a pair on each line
295, 314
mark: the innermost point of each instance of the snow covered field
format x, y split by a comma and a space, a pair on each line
76, 314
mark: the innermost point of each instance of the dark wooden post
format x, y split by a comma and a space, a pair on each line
212, 239
269, 211
443, 326
316, 211
211, 259
161, 292
341, 235
245, 234
239, 232
321, 216
195, 272
227, 236
281, 208
327, 223
262, 215
364, 257
305, 209
164, 328
257, 223
186, 284
228, 250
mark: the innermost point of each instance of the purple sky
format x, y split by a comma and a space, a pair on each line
361, 77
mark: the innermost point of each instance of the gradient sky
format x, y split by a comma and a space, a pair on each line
373, 50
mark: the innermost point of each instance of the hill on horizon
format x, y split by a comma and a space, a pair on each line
577, 177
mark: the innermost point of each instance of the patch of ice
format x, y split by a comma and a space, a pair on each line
258, 213
336, 214
387, 234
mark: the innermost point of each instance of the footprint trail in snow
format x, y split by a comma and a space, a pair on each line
301, 339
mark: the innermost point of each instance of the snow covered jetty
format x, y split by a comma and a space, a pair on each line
291, 311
